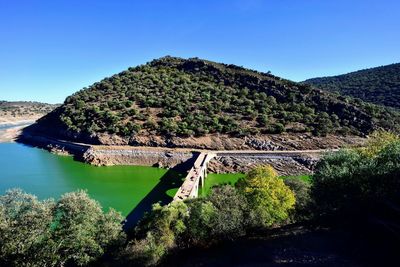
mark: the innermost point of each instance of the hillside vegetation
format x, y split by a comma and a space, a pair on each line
193, 97
379, 85
23, 110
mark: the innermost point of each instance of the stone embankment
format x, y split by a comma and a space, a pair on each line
136, 156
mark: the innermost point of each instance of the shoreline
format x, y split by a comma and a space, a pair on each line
286, 162
10, 130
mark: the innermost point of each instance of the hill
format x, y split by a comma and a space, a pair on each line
12, 111
169, 101
379, 85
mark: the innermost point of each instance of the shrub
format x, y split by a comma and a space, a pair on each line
157, 233
200, 222
25, 230
229, 221
301, 190
81, 230
73, 230
352, 183
219, 216
377, 141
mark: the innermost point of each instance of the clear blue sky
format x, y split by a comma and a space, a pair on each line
50, 49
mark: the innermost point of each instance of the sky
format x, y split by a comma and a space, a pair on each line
51, 49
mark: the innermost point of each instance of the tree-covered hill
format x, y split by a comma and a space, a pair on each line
192, 98
14, 110
20, 108
379, 85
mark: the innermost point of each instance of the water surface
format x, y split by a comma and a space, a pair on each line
128, 189
47, 175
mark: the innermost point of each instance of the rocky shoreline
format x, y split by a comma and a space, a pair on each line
170, 157
299, 165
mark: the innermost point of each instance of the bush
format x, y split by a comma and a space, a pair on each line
202, 214
219, 216
352, 183
25, 234
301, 190
157, 233
269, 199
73, 230
229, 221
81, 230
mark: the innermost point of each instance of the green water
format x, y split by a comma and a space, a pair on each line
46, 175
306, 177
124, 188
215, 179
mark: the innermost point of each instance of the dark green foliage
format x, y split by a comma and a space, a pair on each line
230, 221
72, 231
157, 233
379, 85
185, 97
350, 183
301, 189
220, 216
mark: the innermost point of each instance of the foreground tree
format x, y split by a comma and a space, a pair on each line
268, 198
354, 183
81, 230
25, 230
301, 190
219, 216
156, 234
73, 230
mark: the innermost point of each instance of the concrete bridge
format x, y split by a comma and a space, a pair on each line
195, 178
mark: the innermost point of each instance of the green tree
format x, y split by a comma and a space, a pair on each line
229, 220
351, 183
269, 199
73, 230
200, 221
377, 141
81, 229
157, 233
301, 190
25, 230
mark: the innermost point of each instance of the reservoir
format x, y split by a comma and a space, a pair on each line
123, 188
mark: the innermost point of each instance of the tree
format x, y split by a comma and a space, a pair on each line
25, 230
229, 220
157, 233
301, 190
200, 221
269, 199
377, 141
81, 229
353, 183
73, 230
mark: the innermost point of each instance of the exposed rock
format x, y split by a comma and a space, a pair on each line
134, 156
284, 165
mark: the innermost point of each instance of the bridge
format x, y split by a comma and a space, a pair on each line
197, 174
195, 178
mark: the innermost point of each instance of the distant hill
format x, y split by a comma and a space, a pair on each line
193, 98
379, 85
23, 110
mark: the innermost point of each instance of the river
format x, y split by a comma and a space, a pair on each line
123, 188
